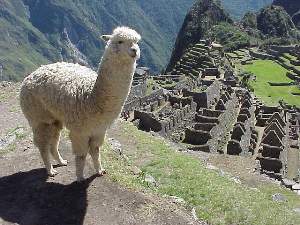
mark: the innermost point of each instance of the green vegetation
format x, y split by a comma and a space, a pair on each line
231, 37
217, 199
249, 20
269, 71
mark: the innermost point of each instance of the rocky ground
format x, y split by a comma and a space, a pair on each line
28, 197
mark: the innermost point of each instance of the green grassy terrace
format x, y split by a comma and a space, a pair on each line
269, 71
217, 199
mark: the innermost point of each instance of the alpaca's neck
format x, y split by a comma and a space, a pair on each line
112, 85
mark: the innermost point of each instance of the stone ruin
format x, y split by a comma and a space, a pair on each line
216, 115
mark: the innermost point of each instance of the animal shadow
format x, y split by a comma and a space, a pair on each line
27, 199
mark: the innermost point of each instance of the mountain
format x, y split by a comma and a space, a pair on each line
202, 17
293, 9
237, 8
271, 22
34, 32
275, 21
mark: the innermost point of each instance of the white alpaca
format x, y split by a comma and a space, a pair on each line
85, 102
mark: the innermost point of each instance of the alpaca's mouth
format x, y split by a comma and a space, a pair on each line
133, 54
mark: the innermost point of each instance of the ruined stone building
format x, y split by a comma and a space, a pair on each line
201, 105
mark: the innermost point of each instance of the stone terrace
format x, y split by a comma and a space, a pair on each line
201, 60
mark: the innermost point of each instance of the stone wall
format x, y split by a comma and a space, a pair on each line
282, 49
244, 137
211, 126
226, 120
140, 102
208, 98
274, 146
260, 55
177, 112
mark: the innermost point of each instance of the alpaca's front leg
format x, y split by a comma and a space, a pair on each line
95, 154
95, 143
45, 156
80, 162
80, 148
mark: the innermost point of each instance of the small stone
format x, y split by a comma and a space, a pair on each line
125, 157
116, 146
279, 197
211, 167
297, 210
136, 171
150, 180
177, 200
288, 183
222, 173
253, 189
236, 180
194, 214
296, 187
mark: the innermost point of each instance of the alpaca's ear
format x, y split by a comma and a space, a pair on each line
106, 37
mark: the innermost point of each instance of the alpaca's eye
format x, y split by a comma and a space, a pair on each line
120, 42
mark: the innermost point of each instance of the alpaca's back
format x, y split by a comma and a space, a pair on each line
55, 90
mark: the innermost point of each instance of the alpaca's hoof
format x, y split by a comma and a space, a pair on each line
80, 179
52, 172
63, 162
101, 172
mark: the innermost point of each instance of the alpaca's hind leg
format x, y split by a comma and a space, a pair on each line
80, 148
56, 129
95, 144
41, 137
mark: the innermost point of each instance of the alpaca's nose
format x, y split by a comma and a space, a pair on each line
134, 52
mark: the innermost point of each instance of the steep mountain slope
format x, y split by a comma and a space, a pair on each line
35, 32
237, 8
22, 47
292, 7
202, 16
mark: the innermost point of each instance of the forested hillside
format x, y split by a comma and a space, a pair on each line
33, 32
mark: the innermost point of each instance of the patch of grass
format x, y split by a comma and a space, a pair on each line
17, 134
19, 131
119, 169
269, 71
217, 199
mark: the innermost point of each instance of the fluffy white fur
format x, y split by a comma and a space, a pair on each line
85, 102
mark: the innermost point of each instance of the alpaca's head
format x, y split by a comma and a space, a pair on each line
123, 44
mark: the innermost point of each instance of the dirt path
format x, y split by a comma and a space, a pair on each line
27, 197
